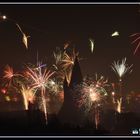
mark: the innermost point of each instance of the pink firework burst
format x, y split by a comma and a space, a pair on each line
39, 78
136, 37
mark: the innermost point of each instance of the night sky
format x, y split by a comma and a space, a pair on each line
51, 26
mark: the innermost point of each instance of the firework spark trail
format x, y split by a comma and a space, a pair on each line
135, 41
25, 99
121, 68
91, 45
134, 34
137, 48
43, 91
116, 33
101, 82
24, 38
97, 117
119, 105
40, 79
66, 45
28, 96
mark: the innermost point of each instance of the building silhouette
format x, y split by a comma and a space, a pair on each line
69, 113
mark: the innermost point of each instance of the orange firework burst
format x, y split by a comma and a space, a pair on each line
9, 75
68, 60
8, 72
64, 62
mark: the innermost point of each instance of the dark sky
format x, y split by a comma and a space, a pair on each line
50, 26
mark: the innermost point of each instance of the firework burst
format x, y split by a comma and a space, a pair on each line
40, 79
68, 63
68, 60
136, 40
9, 75
121, 68
8, 72
54, 86
92, 94
64, 62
